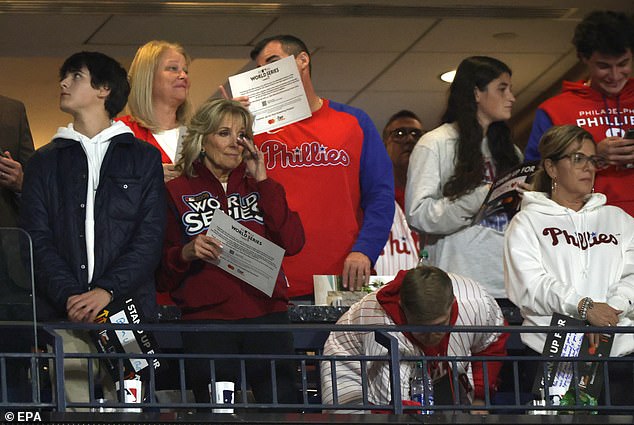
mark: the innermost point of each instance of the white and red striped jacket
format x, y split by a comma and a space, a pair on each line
402, 247
473, 307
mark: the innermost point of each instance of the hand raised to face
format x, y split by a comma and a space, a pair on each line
253, 158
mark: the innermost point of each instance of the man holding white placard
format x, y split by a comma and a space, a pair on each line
337, 176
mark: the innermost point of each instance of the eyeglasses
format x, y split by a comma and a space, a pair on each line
579, 160
401, 134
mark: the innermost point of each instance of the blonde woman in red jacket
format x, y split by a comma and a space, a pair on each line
222, 169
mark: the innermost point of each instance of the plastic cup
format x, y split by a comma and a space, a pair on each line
224, 394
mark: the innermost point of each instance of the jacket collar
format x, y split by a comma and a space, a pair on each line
234, 178
118, 132
388, 297
123, 139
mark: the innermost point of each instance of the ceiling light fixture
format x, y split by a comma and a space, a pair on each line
448, 76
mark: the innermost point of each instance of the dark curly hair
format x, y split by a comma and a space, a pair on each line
606, 32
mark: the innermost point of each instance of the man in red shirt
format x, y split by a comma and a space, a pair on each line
337, 176
603, 105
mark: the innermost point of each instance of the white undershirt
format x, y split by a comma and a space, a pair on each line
95, 150
168, 140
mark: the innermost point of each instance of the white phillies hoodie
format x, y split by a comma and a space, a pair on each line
555, 256
95, 150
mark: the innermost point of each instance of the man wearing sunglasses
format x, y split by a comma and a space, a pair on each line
400, 135
602, 105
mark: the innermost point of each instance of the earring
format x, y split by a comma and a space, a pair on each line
592, 189
202, 154
553, 186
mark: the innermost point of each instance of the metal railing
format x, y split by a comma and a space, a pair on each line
44, 396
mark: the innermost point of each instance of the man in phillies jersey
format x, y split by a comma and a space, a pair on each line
400, 134
603, 105
337, 176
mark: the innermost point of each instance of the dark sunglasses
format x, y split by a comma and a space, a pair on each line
401, 134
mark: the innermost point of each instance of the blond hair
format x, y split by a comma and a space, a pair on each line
552, 146
206, 120
141, 75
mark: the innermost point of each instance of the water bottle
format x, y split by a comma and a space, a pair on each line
421, 389
423, 258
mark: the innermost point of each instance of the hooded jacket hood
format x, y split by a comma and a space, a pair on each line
389, 298
541, 202
69, 133
583, 90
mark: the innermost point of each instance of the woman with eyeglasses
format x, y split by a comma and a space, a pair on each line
452, 167
568, 252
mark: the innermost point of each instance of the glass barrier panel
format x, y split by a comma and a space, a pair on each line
17, 316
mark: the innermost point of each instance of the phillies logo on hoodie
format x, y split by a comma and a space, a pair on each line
582, 240
203, 205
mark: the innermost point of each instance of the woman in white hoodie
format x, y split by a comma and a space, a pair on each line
567, 252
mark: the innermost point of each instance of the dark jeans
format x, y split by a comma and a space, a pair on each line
258, 372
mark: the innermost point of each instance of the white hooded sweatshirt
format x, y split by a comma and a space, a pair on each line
95, 150
555, 256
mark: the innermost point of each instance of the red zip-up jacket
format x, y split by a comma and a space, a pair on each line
200, 289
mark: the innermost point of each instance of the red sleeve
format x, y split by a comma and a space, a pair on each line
496, 349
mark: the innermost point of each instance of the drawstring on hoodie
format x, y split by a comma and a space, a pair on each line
584, 253
618, 121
